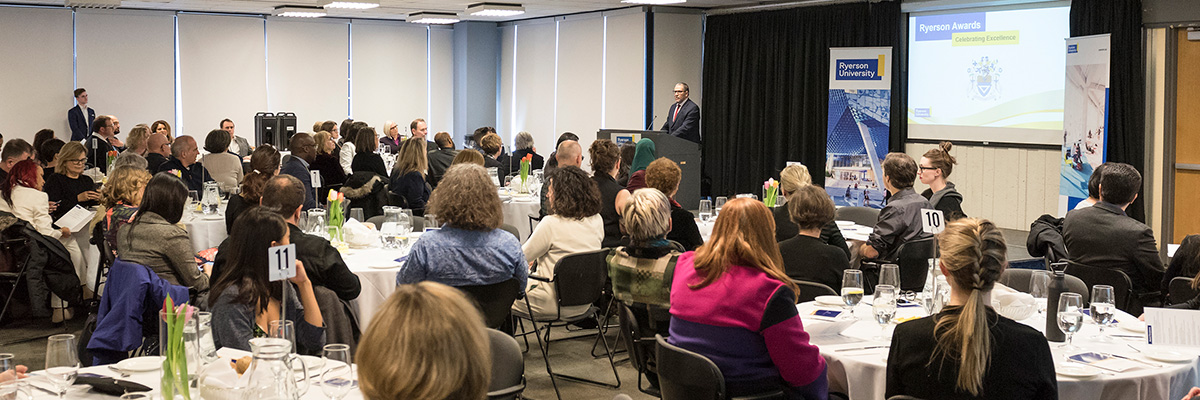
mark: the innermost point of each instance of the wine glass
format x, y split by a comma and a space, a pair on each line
883, 307
338, 378
1039, 283
62, 362
718, 204
1102, 309
357, 214
1070, 316
889, 274
283, 329
852, 288
705, 210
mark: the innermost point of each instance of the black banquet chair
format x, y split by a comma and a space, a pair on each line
1180, 290
508, 367
686, 375
809, 291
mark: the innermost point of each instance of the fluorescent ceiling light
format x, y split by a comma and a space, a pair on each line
434, 18
299, 12
495, 9
352, 5
654, 2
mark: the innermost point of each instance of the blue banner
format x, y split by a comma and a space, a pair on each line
858, 128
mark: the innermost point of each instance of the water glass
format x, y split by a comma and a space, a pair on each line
431, 223
883, 307
889, 274
193, 201
720, 202
705, 210
283, 329
852, 288
1039, 288
316, 221
357, 215
10, 386
338, 378
1070, 316
1102, 309
62, 362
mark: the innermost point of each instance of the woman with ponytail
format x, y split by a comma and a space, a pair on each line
733, 290
264, 164
968, 351
934, 169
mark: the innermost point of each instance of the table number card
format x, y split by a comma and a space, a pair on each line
932, 221
282, 261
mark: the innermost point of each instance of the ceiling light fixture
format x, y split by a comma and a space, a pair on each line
495, 9
654, 2
432, 18
352, 5
299, 12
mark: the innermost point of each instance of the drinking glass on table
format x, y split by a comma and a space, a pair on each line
62, 362
705, 210
357, 214
883, 307
1070, 316
889, 274
852, 288
1039, 288
193, 201
397, 223
718, 204
338, 378
12, 388
1102, 309
283, 329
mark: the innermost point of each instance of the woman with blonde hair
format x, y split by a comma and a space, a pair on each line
327, 162
934, 169
136, 142
791, 179
391, 139
408, 175
120, 197
426, 342
968, 350
733, 290
468, 156
68, 185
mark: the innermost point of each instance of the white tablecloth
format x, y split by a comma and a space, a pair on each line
206, 231
862, 373
376, 269
516, 213
851, 232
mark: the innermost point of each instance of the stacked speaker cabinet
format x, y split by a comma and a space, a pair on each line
275, 129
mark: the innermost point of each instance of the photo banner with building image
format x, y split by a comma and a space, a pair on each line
1085, 117
857, 135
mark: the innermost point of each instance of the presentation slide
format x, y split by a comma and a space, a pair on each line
994, 76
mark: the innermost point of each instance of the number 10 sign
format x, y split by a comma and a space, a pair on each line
932, 221
282, 261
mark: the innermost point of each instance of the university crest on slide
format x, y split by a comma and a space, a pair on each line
984, 76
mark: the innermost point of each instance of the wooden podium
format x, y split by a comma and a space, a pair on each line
683, 152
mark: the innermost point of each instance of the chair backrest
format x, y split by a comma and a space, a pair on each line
1018, 279
418, 224
1180, 290
511, 229
913, 258
860, 215
630, 334
377, 221
579, 278
1092, 276
508, 367
494, 300
686, 375
810, 290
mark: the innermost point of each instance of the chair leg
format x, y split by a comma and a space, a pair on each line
544, 348
611, 363
607, 320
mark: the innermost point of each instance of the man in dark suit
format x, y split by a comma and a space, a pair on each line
1103, 236
418, 128
81, 116
237, 145
183, 164
440, 159
103, 140
683, 120
158, 148
304, 151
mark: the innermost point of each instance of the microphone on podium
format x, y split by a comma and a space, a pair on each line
648, 127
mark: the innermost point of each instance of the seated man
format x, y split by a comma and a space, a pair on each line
900, 219
1103, 236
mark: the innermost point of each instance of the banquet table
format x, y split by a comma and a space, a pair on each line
861, 373
854, 233
376, 269
517, 211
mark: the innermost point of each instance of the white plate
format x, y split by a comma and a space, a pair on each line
845, 224
386, 266
830, 300
313, 364
1170, 356
1076, 371
214, 217
140, 364
1133, 325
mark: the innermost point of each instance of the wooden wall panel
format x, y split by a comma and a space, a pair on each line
1186, 216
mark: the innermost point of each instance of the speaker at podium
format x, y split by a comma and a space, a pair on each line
685, 154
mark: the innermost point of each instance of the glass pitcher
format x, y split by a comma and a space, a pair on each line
397, 223
316, 222
210, 201
495, 175
270, 375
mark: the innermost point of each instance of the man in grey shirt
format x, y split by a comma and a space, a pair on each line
900, 219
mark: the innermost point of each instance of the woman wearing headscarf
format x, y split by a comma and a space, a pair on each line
643, 155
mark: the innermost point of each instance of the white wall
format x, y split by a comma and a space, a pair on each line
395, 58
147, 52
222, 73
37, 77
678, 45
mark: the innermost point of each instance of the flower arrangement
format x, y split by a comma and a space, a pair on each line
337, 216
770, 191
175, 380
525, 172
111, 158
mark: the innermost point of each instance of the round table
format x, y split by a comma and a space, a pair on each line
861, 373
517, 213
376, 269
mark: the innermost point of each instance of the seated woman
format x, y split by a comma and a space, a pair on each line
120, 199
327, 162
900, 219
408, 176
643, 155
1185, 263
23, 198
244, 301
791, 179
523, 144
48, 155
468, 156
664, 175
135, 143
604, 156
365, 158
223, 166
935, 168
470, 249
968, 351
347, 152
733, 290
264, 164
492, 148
391, 137
426, 342
805, 256
155, 239
68, 186
574, 226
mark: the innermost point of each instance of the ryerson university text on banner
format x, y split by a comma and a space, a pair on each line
1085, 116
859, 114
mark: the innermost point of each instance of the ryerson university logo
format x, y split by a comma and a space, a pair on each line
866, 69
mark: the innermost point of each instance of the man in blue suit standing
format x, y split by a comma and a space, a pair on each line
304, 151
81, 116
683, 120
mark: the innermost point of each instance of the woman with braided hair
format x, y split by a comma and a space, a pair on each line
968, 351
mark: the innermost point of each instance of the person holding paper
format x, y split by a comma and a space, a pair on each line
23, 197
67, 185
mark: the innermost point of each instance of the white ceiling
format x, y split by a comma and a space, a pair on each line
398, 9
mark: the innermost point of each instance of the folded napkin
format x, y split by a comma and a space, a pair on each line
358, 235
1012, 304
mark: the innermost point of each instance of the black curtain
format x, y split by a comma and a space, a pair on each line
1127, 81
766, 88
